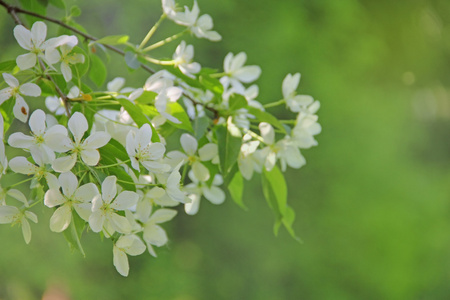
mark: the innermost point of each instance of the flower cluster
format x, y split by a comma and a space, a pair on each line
110, 160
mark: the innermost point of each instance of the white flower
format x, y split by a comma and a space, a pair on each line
141, 150
295, 103
183, 59
40, 136
205, 153
201, 27
237, 73
56, 105
34, 41
67, 59
22, 165
172, 185
87, 148
153, 233
247, 162
170, 9
214, 194
170, 94
72, 197
20, 109
126, 244
3, 159
104, 207
285, 150
305, 129
11, 214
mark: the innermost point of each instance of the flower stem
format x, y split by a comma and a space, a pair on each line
165, 41
20, 182
151, 32
273, 104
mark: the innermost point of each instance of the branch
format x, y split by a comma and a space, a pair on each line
14, 10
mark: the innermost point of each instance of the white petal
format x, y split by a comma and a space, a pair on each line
116, 84
8, 213
38, 33
61, 219
65, 163
120, 260
248, 74
109, 188
26, 61
155, 235
58, 142
53, 197
5, 94
26, 231
69, 183
189, 144
90, 157
192, 207
30, 89
125, 200
66, 71
18, 195
52, 55
208, 151
32, 216
156, 151
200, 171
267, 133
214, 194
96, 221
163, 215
37, 122
78, 125
20, 109
20, 164
20, 140
120, 224
144, 136
10, 80
97, 140
23, 37
86, 193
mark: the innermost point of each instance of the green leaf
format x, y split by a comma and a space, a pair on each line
138, 117
97, 72
178, 112
132, 61
58, 3
113, 40
262, 116
236, 188
275, 192
237, 101
212, 84
75, 11
36, 7
7, 66
200, 127
229, 148
81, 68
288, 220
74, 231
147, 97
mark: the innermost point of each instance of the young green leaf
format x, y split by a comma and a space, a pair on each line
113, 40
97, 72
236, 188
138, 117
230, 146
178, 112
237, 101
7, 66
74, 231
262, 116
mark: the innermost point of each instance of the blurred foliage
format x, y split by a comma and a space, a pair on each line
373, 202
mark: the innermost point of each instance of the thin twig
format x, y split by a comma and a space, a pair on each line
14, 10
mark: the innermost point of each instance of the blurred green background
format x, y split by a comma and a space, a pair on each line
372, 203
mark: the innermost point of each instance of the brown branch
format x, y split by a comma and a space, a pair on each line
14, 10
